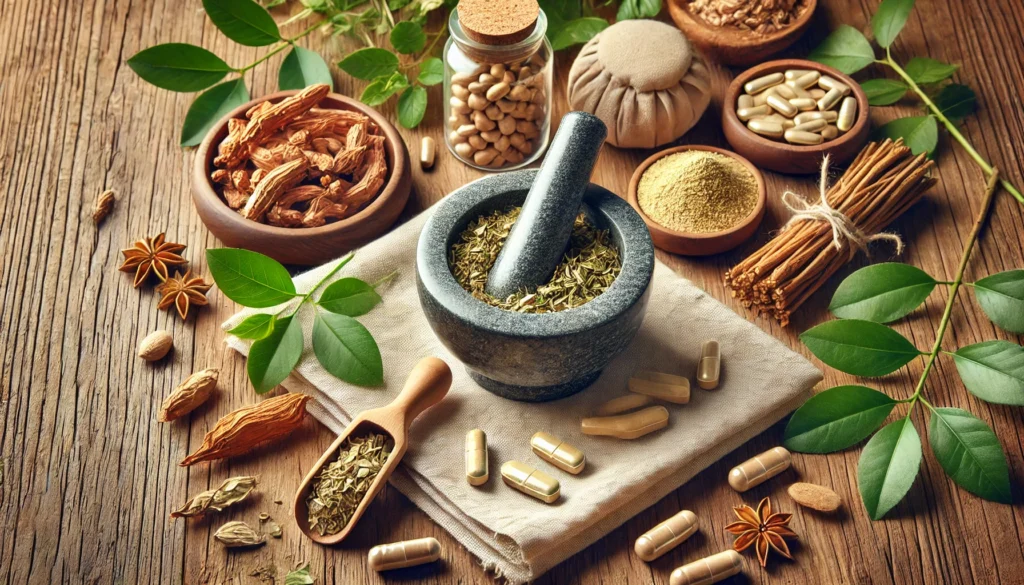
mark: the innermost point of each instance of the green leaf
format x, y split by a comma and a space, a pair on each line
272, 358
349, 296
255, 326
884, 92
882, 292
857, 347
382, 88
993, 371
578, 31
919, 133
889, 20
347, 350
179, 67
956, 101
888, 465
927, 70
369, 63
431, 72
249, 278
408, 37
303, 68
243, 21
1001, 296
412, 105
846, 49
299, 577
837, 418
631, 9
212, 105
970, 453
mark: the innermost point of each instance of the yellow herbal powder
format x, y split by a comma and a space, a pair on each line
697, 192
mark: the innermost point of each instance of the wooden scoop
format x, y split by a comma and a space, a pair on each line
427, 384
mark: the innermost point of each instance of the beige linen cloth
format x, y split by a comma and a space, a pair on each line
514, 535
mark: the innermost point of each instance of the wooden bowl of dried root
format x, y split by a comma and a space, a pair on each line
301, 176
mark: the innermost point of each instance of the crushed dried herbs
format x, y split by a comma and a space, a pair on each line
340, 486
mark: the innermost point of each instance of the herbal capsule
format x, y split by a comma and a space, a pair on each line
661, 386
796, 73
804, 81
558, 453
830, 100
759, 469
811, 126
782, 106
784, 91
801, 93
828, 116
710, 365
708, 570
627, 426
847, 114
794, 136
427, 152
477, 471
804, 104
530, 481
817, 93
828, 83
623, 404
399, 555
745, 101
829, 132
762, 83
748, 113
665, 536
767, 128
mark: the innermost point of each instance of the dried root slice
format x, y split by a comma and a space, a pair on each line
246, 428
267, 119
189, 395
273, 186
814, 496
284, 217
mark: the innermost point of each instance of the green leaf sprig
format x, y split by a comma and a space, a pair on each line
857, 343
848, 50
341, 344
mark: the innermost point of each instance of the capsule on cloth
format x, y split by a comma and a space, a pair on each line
477, 471
710, 365
530, 481
558, 453
627, 426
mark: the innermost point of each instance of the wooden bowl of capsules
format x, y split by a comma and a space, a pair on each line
301, 176
786, 115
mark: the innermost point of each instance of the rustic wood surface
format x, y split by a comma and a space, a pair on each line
89, 476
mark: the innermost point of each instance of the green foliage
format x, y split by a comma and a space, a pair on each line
1001, 296
243, 21
249, 278
369, 63
993, 371
577, 32
837, 418
382, 88
928, 70
888, 21
347, 350
179, 67
273, 357
431, 72
632, 9
857, 347
888, 465
302, 68
212, 105
919, 133
408, 37
884, 92
299, 576
412, 105
956, 101
255, 326
846, 49
882, 292
969, 453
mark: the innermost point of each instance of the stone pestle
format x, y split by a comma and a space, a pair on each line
539, 237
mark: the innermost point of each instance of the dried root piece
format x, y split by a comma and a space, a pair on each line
269, 119
246, 428
193, 392
284, 217
273, 186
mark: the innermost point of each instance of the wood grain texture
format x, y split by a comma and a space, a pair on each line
89, 477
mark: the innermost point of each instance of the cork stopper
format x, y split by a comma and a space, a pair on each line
498, 22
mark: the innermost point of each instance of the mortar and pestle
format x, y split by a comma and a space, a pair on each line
536, 357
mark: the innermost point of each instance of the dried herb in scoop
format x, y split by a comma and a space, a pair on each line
340, 487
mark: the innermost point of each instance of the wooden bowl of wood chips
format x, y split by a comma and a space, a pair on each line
301, 176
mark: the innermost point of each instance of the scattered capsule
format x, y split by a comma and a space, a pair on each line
827, 83
847, 114
661, 386
665, 536
759, 469
427, 152
830, 100
811, 126
627, 426
829, 132
806, 80
477, 472
409, 553
804, 104
530, 481
750, 113
558, 453
767, 128
782, 106
710, 365
623, 404
794, 136
762, 83
708, 570
745, 101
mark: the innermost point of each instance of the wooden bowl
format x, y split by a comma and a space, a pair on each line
303, 246
782, 156
692, 244
732, 46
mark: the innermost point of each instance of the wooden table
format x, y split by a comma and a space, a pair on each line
89, 476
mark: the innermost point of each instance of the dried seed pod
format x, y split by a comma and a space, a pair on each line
238, 534
231, 492
156, 345
242, 430
104, 205
195, 390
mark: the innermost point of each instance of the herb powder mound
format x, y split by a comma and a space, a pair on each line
697, 192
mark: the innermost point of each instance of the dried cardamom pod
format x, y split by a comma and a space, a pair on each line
195, 390
245, 428
232, 491
238, 534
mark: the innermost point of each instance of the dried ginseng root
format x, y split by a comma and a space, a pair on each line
195, 390
231, 492
246, 428
238, 535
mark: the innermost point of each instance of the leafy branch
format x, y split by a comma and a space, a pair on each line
858, 343
849, 51
341, 344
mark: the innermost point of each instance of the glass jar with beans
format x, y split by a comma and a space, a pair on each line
497, 87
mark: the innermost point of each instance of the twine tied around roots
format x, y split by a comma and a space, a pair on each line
843, 229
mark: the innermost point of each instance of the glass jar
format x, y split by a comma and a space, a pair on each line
497, 98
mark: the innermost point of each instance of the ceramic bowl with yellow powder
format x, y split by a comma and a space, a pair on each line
698, 200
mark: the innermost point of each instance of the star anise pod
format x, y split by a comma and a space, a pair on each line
183, 292
151, 255
763, 528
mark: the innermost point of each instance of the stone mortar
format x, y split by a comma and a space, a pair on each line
529, 356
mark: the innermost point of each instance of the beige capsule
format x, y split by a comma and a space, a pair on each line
661, 386
784, 91
762, 83
804, 104
627, 426
782, 106
794, 136
811, 126
709, 368
767, 128
427, 152
760, 468
829, 116
817, 93
804, 81
623, 404
665, 536
847, 114
801, 93
829, 132
558, 453
746, 114
708, 570
408, 553
745, 101
830, 100
795, 73
827, 83
530, 481
477, 468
